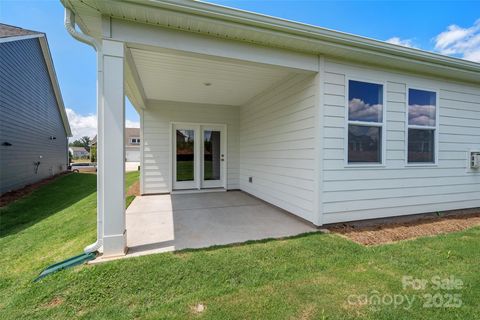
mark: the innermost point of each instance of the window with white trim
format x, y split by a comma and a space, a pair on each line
365, 122
422, 126
135, 140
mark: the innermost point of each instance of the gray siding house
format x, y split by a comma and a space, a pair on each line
132, 144
34, 128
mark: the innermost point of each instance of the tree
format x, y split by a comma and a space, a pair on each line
75, 143
82, 142
93, 154
86, 142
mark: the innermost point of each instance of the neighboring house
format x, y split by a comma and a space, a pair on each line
34, 128
329, 126
132, 144
79, 152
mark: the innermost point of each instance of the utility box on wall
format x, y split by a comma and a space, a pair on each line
474, 157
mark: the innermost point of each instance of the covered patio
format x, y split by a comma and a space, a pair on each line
215, 115
162, 223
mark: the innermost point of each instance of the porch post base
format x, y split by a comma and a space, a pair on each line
115, 245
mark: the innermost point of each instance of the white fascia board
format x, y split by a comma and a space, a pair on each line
17, 38
307, 30
136, 35
137, 92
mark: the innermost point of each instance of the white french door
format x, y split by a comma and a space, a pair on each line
199, 158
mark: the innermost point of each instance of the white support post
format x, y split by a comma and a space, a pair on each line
319, 136
112, 145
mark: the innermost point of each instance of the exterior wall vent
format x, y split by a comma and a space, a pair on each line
474, 159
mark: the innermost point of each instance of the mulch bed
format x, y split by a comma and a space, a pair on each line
134, 189
381, 233
12, 196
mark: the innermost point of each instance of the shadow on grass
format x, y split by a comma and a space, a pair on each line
46, 201
249, 242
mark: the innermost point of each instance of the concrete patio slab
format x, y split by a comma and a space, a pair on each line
162, 223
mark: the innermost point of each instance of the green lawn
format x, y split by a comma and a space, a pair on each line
307, 277
185, 170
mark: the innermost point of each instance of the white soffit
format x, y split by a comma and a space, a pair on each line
198, 79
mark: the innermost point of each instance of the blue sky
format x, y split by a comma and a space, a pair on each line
448, 27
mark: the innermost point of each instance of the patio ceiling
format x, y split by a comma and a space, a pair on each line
175, 76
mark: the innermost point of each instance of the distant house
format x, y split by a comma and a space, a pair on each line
132, 144
33, 124
79, 152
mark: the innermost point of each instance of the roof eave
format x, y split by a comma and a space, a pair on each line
356, 45
306, 30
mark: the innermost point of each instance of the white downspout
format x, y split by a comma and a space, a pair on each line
70, 26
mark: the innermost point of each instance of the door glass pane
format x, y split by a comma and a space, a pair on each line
364, 144
421, 145
211, 155
185, 155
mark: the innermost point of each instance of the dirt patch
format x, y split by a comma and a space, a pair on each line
308, 312
395, 231
54, 302
199, 308
134, 189
12, 196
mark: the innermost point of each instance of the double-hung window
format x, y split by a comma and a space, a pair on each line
422, 126
365, 122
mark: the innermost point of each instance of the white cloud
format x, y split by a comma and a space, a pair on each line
86, 125
461, 42
132, 124
82, 125
361, 111
401, 42
421, 115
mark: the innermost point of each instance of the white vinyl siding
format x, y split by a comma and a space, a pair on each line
277, 146
397, 189
274, 140
156, 128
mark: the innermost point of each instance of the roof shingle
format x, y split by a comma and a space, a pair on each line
11, 31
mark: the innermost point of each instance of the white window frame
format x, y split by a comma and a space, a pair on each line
382, 124
135, 142
436, 127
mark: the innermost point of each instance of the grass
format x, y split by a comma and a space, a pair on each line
305, 277
130, 178
185, 170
